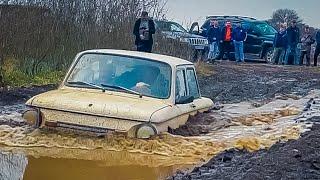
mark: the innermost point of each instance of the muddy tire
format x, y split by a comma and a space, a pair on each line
268, 56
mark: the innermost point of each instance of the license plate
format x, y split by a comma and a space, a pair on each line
199, 47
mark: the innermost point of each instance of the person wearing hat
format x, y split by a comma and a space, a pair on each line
306, 42
293, 35
144, 28
226, 45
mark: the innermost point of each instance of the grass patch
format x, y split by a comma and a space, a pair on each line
18, 79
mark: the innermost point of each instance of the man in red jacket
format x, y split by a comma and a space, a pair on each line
226, 41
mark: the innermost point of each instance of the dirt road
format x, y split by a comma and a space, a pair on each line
256, 106
259, 84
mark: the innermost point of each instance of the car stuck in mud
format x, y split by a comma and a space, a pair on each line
139, 94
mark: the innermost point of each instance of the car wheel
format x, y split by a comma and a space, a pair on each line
269, 55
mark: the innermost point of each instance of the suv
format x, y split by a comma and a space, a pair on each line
259, 42
174, 30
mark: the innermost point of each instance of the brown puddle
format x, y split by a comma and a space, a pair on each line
60, 155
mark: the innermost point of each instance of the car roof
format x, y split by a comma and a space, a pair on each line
172, 61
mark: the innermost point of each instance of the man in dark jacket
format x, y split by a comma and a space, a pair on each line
144, 29
226, 41
280, 44
239, 35
306, 42
317, 52
293, 34
214, 38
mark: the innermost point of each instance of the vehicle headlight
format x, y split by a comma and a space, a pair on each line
185, 40
31, 116
146, 131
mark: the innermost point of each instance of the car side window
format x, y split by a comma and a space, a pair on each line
192, 83
181, 89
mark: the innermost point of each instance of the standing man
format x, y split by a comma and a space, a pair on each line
214, 38
317, 52
306, 41
280, 45
239, 35
226, 41
293, 34
144, 29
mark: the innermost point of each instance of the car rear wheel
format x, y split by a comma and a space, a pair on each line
268, 57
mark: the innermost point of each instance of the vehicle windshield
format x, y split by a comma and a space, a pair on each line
265, 29
170, 26
122, 73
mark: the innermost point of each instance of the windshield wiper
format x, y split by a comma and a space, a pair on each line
87, 84
121, 88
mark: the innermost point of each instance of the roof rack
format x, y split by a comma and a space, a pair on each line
231, 17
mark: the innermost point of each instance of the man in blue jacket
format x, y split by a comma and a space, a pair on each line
316, 54
239, 35
214, 38
280, 44
293, 34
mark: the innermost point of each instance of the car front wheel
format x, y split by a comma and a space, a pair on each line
268, 57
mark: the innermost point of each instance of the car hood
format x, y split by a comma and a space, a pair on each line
99, 104
182, 35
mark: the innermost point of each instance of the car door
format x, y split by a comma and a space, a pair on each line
253, 42
181, 90
193, 88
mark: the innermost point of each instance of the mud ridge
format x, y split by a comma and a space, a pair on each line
296, 159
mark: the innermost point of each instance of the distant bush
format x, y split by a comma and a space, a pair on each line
41, 38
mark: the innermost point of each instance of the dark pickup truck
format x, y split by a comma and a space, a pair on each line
259, 43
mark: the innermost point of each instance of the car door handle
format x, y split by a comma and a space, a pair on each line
193, 105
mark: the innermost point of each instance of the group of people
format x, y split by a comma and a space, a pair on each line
287, 42
144, 29
220, 41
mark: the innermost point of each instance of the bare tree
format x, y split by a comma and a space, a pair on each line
284, 16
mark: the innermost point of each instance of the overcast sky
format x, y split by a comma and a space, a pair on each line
187, 11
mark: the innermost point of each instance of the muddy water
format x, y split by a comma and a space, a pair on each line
34, 154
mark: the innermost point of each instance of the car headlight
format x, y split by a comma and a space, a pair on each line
185, 40
32, 117
145, 131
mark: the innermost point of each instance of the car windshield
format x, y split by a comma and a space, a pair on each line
170, 26
265, 29
122, 73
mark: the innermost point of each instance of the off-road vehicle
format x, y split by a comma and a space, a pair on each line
140, 94
259, 43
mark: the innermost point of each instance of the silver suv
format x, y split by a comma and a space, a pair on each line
174, 30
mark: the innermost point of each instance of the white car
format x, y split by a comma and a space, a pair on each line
140, 94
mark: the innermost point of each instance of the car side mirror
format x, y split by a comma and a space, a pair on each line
185, 100
194, 29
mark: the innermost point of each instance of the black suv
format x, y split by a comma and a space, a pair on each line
259, 43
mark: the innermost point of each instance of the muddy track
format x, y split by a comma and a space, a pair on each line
255, 84
298, 159
21, 95
232, 83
